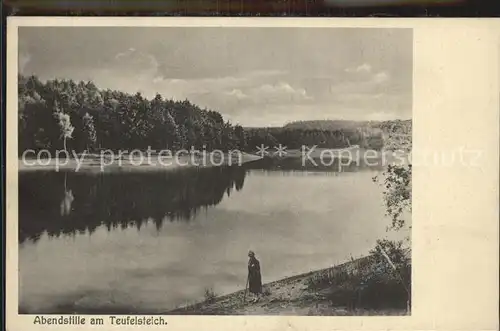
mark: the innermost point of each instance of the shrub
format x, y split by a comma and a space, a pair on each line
210, 295
370, 283
328, 278
389, 284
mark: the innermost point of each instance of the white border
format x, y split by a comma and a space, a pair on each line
455, 210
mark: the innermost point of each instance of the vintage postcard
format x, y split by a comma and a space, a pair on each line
212, 173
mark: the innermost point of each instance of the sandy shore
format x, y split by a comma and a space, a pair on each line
294, 296
154, 162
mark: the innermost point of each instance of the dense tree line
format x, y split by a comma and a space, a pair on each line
61, 114
393, 134
296, 137
392, 125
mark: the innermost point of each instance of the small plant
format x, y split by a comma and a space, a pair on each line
210, 295
397, 186
328, 278
266, 291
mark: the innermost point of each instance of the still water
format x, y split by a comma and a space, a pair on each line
151, 241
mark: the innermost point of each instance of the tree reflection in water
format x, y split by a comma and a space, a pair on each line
66, 203
68, 198
60, 203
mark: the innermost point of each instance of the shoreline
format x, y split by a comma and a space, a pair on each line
301, 295
154, 162
96, 162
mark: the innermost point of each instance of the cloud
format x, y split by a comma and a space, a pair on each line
233, 93
128, 52
277, 114
227, 86
244, 79
369, 84
378, 101
381, 77
280, 92
371, 72
251, 89
363, 68
142, 64
237, 93
238, 100
365, 72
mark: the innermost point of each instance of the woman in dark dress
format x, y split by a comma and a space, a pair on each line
254, 277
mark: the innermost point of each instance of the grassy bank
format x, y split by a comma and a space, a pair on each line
352, 288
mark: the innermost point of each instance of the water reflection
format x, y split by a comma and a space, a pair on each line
75, 202
83, 262
325, 165
71, 202
68, 198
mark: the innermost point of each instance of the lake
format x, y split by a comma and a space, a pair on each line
148, 242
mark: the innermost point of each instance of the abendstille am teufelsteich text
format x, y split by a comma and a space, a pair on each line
113, 320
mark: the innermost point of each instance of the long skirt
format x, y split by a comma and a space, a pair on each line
255, 283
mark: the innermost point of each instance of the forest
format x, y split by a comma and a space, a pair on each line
61, 114
78, 116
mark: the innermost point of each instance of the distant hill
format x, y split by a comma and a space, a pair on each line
396, 134
332, 125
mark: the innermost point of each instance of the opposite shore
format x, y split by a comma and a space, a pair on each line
97, 162
143, 161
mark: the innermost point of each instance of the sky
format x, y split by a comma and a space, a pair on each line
252, 76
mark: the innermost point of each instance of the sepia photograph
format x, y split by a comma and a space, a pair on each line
214, 170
